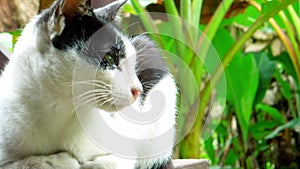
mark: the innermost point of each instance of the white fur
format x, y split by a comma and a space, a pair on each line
37, 111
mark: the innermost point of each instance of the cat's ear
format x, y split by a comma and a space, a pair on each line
67, 11
110, 11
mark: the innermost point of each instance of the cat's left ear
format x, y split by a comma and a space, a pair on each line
110, 11
67, 11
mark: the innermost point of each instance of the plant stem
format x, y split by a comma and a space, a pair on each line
210, 30
147, 21
192, 139
298, 99
290, 33
185, 10
176, 24
195, 19
171, 7
196, 11
295, 20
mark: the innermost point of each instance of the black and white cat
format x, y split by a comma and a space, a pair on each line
37, 119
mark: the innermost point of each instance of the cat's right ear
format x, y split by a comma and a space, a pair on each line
110, 11
66, 11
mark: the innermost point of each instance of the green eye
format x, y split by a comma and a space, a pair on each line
109, 59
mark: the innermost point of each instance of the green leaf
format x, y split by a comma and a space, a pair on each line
289, 125
248, 17
273, 112
232, 157
268, 5
222, 36
242, 77
266, 70
262, 128
284, 86
209, 148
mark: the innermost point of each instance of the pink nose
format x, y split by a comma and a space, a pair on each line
136, 92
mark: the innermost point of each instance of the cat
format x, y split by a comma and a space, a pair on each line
39, 125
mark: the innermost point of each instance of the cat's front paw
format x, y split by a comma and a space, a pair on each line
93, 165
109, 162
55, 161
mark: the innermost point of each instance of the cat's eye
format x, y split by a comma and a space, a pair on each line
110, 60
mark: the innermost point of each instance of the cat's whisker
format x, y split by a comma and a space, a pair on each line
96, 85
98, 100
69, 84
98, 96
88, 82
108, 100
91, 80
110, 105
96, 91
95, 95
88, 98
82, 102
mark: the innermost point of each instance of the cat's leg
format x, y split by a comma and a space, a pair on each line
56, 161
109, 162
167, 165
159, 162
158, 165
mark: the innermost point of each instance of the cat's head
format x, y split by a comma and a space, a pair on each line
72, 28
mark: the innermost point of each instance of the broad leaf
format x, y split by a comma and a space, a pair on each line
242, 77
266, 70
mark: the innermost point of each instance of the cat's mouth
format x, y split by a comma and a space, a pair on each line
106, 98
117, 102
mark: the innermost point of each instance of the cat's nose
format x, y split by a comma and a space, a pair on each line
136, 92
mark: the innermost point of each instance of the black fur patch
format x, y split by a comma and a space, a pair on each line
150, 67
149, 78
77, 31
